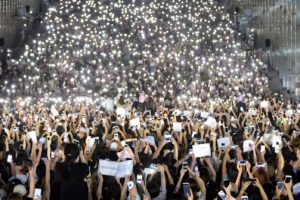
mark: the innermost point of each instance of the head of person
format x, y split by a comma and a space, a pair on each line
261, 175
71, 153
121, 100
14, 196
26, 164
153, 189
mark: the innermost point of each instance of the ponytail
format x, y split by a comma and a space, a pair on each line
71, 152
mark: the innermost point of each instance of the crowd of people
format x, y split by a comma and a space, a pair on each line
143, 100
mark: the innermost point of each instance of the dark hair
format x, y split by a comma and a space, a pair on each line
175, 196
150, 100
71, 153
22, 155
14, 196
153, 189
204, 174
232, 172
121, 100
2, 146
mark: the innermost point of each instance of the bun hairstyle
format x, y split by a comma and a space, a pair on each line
71, 153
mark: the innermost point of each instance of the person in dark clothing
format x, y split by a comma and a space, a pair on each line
71, 173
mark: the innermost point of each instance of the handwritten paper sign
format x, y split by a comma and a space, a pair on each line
149, 139
124, 169
202, 150
296, 188
177, 126
107, 167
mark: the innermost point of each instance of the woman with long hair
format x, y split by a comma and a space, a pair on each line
71, 173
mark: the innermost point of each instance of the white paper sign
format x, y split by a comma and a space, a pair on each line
276, 139
266, 137
149, 139
264, 104
107, 167
124, 169
54, 111
211, 122
289, 113
187, 113
225, 140
177, 126
202, 150
121, 112
204, 114
178, 112
296, 188
126, 154
246, 145
32, 135
135, 122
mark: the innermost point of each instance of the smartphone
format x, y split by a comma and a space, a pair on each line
97, 141
168, 138
44, 159
186, 189
184, 166
222, 145
24, 128
196, 169
37, 192
52, 154
83, 120
134, 143
243, 162
226, 182
190, 151
226, 129
153, 166
280, 185
276, 147
288, 178
130, 184
222, 195
260, 164
244, 198
116, 136
139, 178
9, 158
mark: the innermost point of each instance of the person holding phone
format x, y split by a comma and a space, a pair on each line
71, 173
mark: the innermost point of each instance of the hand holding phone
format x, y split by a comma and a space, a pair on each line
37, 192
9, 158
186, 189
